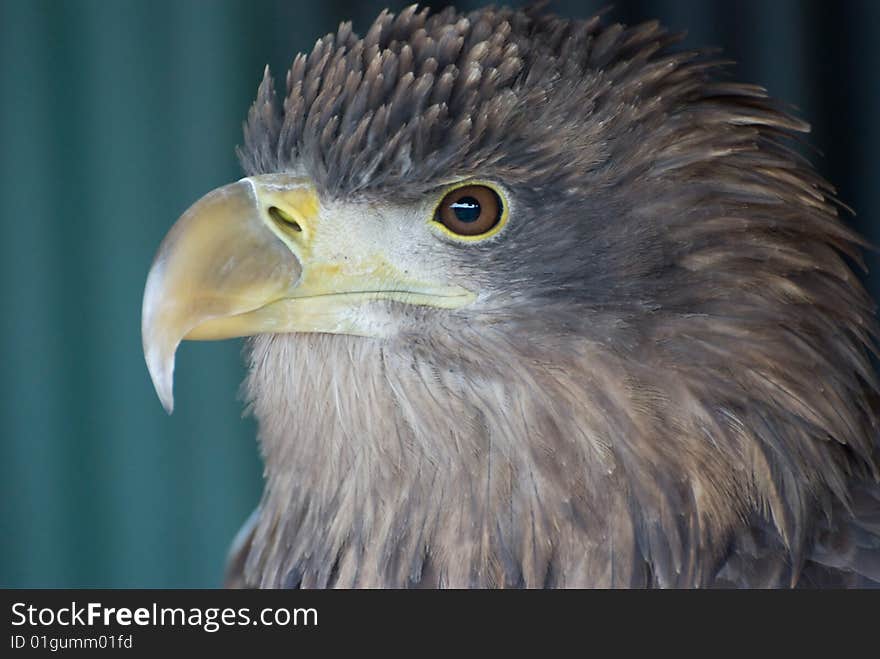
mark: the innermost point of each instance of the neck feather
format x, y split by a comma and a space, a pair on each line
387, 467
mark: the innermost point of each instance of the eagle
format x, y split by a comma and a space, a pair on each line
533, 302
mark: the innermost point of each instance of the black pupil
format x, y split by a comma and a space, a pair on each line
466, 209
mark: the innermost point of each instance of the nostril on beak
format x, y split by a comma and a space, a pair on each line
284, 218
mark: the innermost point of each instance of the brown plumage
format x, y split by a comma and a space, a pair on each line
666, 380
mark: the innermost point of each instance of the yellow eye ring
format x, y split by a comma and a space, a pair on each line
470, 211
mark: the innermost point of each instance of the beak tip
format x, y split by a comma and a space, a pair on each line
166, 396
162, 374
168, 403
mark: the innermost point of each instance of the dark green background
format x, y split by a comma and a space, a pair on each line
115, 116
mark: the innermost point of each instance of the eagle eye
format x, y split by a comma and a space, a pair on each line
472, 212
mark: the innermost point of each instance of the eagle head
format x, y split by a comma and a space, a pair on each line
533, 302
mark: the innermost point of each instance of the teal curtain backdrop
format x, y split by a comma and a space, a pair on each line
115, 115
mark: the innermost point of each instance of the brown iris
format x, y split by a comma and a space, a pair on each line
470, 210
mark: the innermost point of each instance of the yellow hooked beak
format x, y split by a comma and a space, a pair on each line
260, 256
